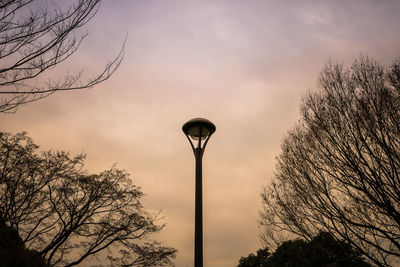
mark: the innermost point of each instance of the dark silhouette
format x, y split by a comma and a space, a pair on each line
13, 252
36, 36
321, 251
339, 166
261, 259
67, 215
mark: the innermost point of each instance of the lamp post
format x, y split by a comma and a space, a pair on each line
198, 130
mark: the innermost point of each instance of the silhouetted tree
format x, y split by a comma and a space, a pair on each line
321, 251
255, 260
66, 215
339, 167
36, 36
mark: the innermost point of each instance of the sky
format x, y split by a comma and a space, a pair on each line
244, 65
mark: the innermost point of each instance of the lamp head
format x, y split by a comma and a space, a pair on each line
198, 128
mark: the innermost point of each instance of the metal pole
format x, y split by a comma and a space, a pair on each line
198, 224
198, 129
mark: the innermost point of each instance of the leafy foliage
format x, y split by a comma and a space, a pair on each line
255, 260
13, 251
321, 251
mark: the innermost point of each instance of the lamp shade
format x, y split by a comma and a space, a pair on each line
198, 128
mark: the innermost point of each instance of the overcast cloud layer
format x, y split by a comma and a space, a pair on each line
244, 65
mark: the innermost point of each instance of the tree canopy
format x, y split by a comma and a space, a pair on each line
67, 215
321, 251
339, 166
36, 36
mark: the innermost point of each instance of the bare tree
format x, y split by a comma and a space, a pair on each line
68, 215
339, 166
36, 36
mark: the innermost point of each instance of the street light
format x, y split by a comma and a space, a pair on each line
198, 130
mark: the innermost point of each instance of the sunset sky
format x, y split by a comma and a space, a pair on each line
243, 64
